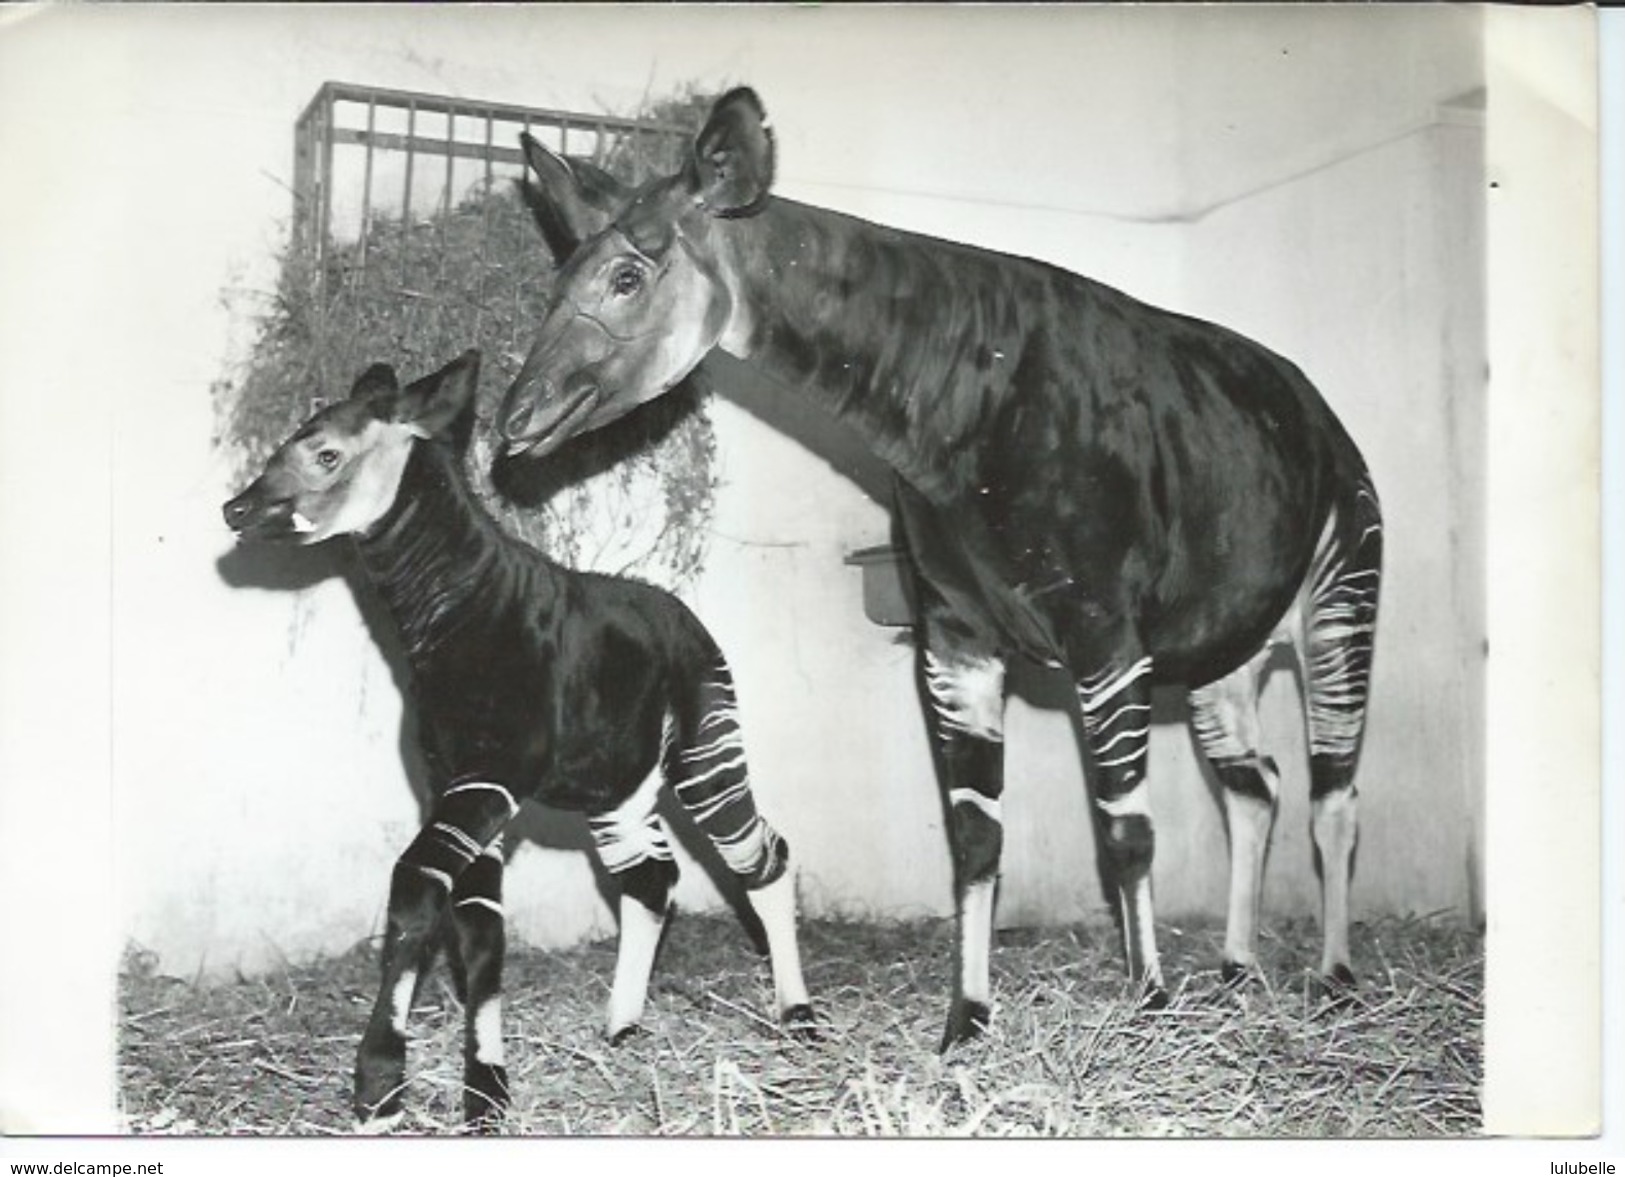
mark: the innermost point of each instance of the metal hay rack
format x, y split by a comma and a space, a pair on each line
365, 154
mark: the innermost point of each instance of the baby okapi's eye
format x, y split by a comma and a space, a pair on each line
328, 459
627, 280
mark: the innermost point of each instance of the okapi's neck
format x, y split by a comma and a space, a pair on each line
437, 550
913, 341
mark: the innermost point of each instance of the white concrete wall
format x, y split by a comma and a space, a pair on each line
1369, 274
257, 789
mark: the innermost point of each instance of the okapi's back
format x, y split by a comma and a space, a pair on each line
646, 617
930, 347
1084, 449
1228, 463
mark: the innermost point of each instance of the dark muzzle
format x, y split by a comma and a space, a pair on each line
253, 516
536, 418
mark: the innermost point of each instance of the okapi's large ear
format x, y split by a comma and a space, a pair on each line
429, 406
732, 166
575, 199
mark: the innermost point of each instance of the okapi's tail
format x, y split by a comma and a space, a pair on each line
1341, 626
705, 763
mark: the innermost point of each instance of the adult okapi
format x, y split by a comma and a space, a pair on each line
1131, 495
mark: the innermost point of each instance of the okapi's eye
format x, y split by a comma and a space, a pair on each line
328, 459
627, 280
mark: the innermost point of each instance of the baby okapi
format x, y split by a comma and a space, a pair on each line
581, 691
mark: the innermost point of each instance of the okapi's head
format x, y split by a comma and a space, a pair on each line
340, 471
642, 294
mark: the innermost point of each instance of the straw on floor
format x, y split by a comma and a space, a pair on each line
1069, 1054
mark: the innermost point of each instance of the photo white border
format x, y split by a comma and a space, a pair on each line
1537, 1045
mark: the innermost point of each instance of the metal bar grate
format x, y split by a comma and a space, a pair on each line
354, 145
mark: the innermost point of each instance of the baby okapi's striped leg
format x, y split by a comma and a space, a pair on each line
1339, 637
705, 759
481, 942
632, 843
467, 817
1224, 715
1116, 706
965, 692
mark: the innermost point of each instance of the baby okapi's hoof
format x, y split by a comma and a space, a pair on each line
966, 1020
800, 1022
1153, 996
1233, 975
380, 1120
378, 1125
485, 1099
626, 1033
378, 1106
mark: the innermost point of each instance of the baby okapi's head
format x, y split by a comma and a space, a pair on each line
340, 471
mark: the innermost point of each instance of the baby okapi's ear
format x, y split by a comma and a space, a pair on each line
378, 380
429, 406
732, 165
574, 199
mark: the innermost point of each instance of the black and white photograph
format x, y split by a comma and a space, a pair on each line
801, 572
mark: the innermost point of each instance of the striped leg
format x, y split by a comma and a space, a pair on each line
1224, 715
481, 940
705, 757
631, 841
965, 693
468, 816
1340, 633
1116, 704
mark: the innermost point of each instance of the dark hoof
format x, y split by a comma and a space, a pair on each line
1341, 978
1339, 991
380, 1080
800, 1023
966, 1020
485, 1098
1233, 975
375, 1118
621, 1036
1154, 997
378, 1125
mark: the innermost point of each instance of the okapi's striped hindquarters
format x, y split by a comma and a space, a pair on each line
705, 759
1331, 630
1337, 652
1125, 494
